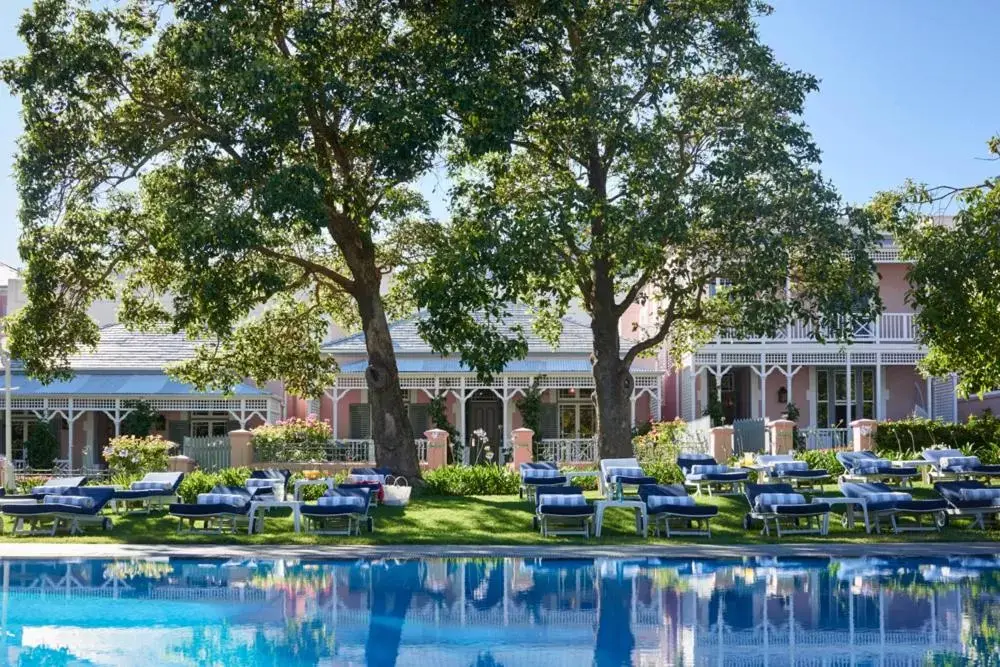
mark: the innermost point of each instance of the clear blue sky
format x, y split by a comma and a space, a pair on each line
908, 90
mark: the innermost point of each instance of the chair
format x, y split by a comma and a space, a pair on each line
538, 474
154, 489
882, 501
953, 464
76, 507
970, 499
775, 502
562, 510
867, 467
616, 474
269, 483
670, 502
784, 468
223, 508
702, 471
340, 511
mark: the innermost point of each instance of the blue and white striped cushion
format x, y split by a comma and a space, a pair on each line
76, 501
563, 499
789, 466
960, 462
262, 483
540, 473
234, 499
341, 501
625, 472
701, 469
151, 486
888, 497
46, 490
871, 466
980, 494
366, 479
661, 501
772, 499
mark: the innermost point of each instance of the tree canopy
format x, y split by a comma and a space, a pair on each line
660, 159
954, 273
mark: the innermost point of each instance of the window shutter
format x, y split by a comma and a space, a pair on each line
361, 421
178, 430
548, 418
419, 418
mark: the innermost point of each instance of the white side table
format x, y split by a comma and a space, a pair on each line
299, 483
638, 506
255, 505
848, 504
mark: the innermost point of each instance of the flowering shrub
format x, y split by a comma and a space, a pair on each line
293, 439
203, 482
657, 450
137, 455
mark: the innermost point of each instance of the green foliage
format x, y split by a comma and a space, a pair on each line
292, 439
714, 412
979, 436
26, 484
482, 480
123, 479
135, 455
140, 420
438, 416
657, 450
821, 459
203, 482
311, 492
42, 445
530, 407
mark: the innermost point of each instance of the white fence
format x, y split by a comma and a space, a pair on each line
568, 450
886, 328
826, 438
421, 444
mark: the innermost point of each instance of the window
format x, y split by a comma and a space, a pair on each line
831, 396
209, 424
577, 414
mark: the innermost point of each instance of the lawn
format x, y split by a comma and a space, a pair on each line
489, 520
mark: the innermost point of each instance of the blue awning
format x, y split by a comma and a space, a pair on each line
456, 366
134, 384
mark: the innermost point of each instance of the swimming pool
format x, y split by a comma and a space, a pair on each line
509, 612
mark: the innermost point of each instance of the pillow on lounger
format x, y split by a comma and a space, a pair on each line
152, 486
789, 466
76, 501
888, 497
350, 500
869, 466
625, 472
563, 499
540, 473
661, 501
979, 494
701, 469
54, 490
769, 500
960, 462
261, 483
233, 499
365, 479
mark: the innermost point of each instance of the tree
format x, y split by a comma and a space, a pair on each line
657, 159
42, 445
200, 158
953, 275
140, 420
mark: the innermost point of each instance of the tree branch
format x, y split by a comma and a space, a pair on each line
312, 267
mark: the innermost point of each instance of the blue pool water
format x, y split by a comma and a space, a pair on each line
502, 612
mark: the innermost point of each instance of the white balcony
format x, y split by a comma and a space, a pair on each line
887, 328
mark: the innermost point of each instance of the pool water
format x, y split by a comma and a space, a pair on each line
502, 612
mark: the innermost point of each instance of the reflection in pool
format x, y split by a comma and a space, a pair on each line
493, 612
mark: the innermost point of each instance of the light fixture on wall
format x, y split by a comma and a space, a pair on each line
782, 394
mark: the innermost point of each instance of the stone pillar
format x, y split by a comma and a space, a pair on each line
183, 464
522, 438
437, 448
863, 434
720, 443
240, 450
782, 436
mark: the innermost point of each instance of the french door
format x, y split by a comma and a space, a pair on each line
832, 396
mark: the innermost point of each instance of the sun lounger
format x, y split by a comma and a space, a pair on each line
340, 511
617, 474
666, 503
75, 507
970, 499
784, 468
703, 472
778, 502
269, 483
222, 509
953, 464
538, 474
155, 489
562, 510
867, 467
883, 501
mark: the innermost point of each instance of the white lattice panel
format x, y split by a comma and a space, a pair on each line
943, 403
901, 358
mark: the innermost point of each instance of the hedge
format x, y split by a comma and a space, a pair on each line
980, 435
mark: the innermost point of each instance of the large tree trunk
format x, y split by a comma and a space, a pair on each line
613, 383
391, 430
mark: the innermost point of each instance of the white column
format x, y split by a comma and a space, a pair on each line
878, 388
335, 417
718, 377
118, 417
850, 391
461, 430
763, 388
70, 423
632, 408
930, 398
88, 426
506, 421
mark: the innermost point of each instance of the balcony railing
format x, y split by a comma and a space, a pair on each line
886, 328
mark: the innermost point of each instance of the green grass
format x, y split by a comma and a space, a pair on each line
489, 520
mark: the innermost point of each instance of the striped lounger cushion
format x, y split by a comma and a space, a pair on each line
674, 501
625, 472
365, 479
233, 499
888, 497
960, 463
85, 502
783, 467
772, 500
871, 466
710, 469
50, 490
980, 494
563, 500
153, 486
540, 473
341, 501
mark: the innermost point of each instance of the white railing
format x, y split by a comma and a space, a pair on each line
421, 444
825, 438
568, 450
887, 328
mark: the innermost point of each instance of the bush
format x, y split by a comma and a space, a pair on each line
657, 450
311, 492
822, 459
43, 445
664, 472
293, 439
488, 480
203, 482
25, 484
137, 455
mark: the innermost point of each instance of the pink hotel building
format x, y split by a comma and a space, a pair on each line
874, 376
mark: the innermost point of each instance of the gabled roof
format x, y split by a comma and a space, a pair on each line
121, 349
576, 336
7, 272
